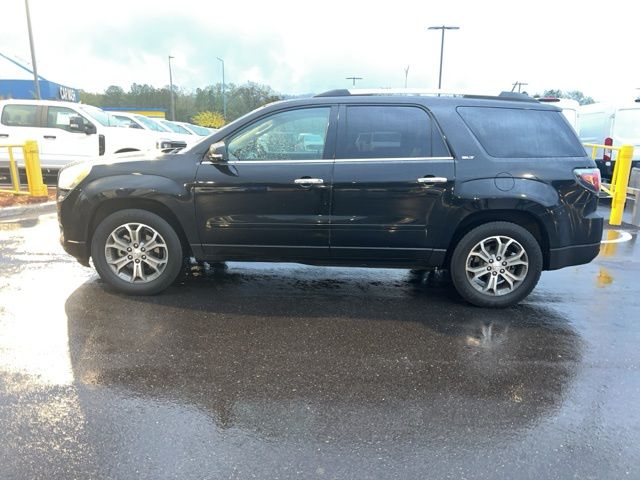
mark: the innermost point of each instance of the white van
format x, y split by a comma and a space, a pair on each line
610, 124
67, 132
569, 108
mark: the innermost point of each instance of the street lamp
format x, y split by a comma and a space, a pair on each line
443, 28
33, 52
173, 101
224, 96
353, 79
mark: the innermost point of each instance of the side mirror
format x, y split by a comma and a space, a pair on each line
217, 152
76, 124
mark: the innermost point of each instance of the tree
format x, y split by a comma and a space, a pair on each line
576, 95
208, 119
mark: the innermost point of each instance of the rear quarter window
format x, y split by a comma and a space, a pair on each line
522, 133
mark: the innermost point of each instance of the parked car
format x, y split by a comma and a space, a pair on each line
494, 189
66, 132
163, 135
179, 131
610, 124
197, 129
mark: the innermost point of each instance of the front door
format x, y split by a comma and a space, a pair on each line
270, 198
392, 167
59, 145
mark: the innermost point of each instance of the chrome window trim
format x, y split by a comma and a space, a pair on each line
338, 160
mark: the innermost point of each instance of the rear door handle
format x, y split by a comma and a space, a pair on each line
308, 181
50, 137
4, 135
433, 180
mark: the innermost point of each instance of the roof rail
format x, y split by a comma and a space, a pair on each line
522, 97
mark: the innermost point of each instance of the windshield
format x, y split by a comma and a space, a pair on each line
100, 116
150, 124
199, 130
174, 127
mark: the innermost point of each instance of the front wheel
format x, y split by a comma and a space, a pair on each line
136, 252
496, 264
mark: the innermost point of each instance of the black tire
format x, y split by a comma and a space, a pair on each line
469, 289
170, 250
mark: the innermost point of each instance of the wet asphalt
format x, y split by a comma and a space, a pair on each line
290, 371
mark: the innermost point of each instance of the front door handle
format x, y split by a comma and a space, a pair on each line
308, 181
4, 135
433, 180
50, 137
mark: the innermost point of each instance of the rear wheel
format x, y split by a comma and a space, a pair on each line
136, 252
496, 264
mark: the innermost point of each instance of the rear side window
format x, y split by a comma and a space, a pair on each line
521, 133
19, 115
389, 131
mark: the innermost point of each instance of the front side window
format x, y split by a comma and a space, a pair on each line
291, 135
390, 131
19, 116
522, 133
60, 117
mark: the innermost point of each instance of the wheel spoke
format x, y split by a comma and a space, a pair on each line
491, 284
155, 263
116, 242
120, 263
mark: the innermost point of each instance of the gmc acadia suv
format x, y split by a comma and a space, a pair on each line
494, 189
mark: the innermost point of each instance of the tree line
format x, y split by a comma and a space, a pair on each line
205, 105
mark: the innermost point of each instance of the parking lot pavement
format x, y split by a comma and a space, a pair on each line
271, 371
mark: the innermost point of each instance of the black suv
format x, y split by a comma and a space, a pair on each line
494, 189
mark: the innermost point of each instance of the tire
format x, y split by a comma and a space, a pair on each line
122, 260
483, 280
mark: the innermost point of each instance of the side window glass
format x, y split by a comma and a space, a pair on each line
291, 135
60, 117
390, 131
19, 116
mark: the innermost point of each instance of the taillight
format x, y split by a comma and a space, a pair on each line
588, 178
606, 153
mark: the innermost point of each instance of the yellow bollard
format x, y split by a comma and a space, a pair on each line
619, 182
37, 188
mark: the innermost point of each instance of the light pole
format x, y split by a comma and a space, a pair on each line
353, 79
33, 52
224, 96
443, 28
406, 76
519, 85
173, 101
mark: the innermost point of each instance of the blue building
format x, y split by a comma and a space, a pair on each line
16, 81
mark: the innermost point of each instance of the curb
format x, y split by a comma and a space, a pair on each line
23, 210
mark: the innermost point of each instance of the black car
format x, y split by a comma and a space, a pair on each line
494, 189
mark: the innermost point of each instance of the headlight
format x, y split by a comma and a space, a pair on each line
69, 177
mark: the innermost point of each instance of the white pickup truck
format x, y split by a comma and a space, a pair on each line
67, 132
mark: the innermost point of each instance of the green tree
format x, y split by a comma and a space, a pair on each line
576, 95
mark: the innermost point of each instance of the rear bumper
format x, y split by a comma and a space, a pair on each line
573, 255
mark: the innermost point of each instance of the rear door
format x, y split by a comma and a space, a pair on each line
18, 123
392, 167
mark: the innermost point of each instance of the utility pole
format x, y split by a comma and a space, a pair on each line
173, 100
353, 79
406, 75
443, 28
33, 52
224, 96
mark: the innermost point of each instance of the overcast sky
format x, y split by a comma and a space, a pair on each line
303, 47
